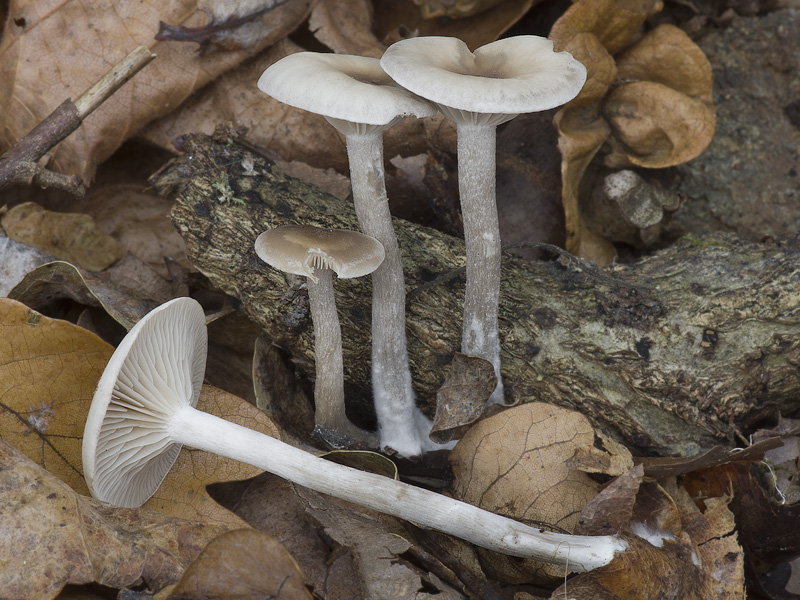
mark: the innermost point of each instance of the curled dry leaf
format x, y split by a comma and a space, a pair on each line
582, 132
455, 9
127, 291
615, 23
516, 463
100, 37
53, 536
655, 126
244, 564
463, 395
659, 114
69, 236
690, 553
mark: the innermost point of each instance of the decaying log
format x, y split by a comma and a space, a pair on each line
691, 346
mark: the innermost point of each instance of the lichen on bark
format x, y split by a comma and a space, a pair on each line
686, 348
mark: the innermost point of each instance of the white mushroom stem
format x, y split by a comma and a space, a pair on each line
402, 426
427, 509
329, 386
476, 188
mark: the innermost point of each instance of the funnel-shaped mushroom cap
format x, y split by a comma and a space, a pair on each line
300, 249
511, 76
157, 369
340, 87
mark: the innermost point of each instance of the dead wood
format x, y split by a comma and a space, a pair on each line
676, 352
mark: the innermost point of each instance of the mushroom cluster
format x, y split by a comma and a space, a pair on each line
478, 90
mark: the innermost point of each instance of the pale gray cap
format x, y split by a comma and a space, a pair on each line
511, 76
157, 369
300, 249
347, 90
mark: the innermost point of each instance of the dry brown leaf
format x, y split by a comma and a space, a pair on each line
345, 26
516, 463
666, 55
36, 74
127, 291
615, 23
49, 370
655, 126
52, 536
399, 20
294, 134
676, 550
138, 221
661, 123
244, 564
468, 384
455, 9
582, 132
377, 549
601, 70
271, 504
70, 236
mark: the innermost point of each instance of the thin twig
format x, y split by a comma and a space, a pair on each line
22, 164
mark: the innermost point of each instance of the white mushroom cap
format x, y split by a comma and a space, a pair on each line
345, 89
300, 249
157, 369
511, 76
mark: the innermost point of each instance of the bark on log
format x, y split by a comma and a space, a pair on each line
689, 347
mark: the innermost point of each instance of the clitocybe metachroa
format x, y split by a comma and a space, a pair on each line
143, 411
479, 91
316, 254
361, 101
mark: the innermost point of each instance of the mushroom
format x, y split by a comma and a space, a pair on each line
143, 411
479, 91
361, 101
316, 254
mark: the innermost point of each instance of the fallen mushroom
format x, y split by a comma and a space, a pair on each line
143, 411
479, 91
361, 101
317, 253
